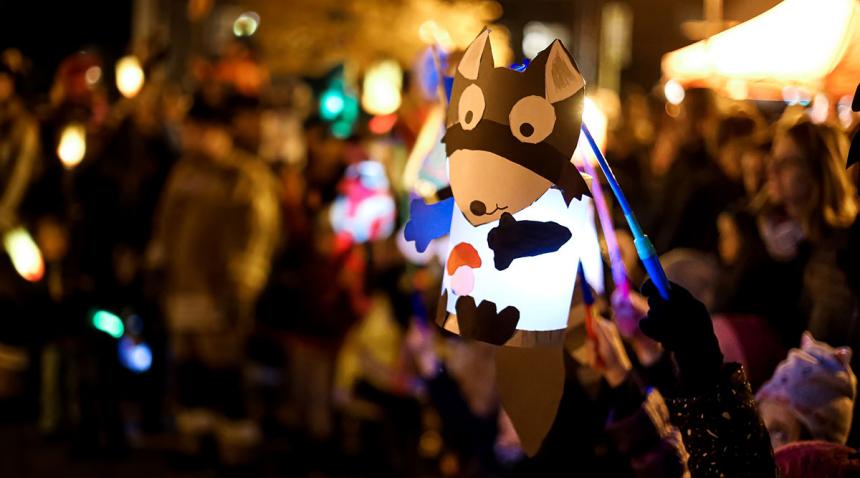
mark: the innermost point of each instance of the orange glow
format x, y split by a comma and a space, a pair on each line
596, 120
808, 44
382, 124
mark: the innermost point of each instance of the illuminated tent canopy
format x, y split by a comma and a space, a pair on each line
809, 44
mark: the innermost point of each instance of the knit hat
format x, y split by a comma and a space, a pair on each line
816, 383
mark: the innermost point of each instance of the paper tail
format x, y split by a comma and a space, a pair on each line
531, 384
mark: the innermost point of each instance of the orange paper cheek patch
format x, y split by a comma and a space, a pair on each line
461, 261
463, 254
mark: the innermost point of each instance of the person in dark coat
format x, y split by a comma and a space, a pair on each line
712, 405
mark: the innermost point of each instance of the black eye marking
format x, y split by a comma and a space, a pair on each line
468, 117
526, 129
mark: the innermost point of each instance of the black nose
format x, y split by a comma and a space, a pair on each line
478, 208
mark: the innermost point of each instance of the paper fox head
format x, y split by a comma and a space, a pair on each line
510, 134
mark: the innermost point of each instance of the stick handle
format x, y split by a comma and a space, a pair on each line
616, 262
644, 248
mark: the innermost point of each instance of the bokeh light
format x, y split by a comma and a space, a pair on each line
382, 124
737, 89
93, 75
432, 33
381, 92
129, 76
593, 117
331, 104
108, 323
73, 145
135, 356
25, 254
674, 92
246, 24
820, 110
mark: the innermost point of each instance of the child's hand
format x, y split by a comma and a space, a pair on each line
683, 326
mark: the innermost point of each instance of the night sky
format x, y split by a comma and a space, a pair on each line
48, 31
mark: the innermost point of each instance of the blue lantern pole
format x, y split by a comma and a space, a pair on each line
644, 248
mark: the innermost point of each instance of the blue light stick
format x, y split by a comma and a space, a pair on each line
644, 247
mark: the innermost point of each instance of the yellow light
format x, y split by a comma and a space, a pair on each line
807, 43
381, 91
674, 92
25, 254
73, 145
432, 33
595, 119
539, 35
246, 24
129, 76
737, 89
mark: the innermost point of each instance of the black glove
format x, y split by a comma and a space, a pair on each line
683, 326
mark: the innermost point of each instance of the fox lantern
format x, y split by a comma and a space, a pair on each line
517, 221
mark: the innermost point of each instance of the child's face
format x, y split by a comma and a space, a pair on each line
788, 181
782, 425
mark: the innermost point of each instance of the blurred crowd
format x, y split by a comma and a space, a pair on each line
199, 214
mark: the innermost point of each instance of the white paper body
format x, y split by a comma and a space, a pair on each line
540, 287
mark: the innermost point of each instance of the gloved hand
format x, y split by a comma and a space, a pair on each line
683, 326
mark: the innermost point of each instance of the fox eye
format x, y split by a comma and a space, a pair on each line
471, 107
532, 119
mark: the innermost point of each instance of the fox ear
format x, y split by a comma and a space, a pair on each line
478, 56
561, 76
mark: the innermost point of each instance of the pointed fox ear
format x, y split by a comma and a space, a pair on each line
561, 76
478, 57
